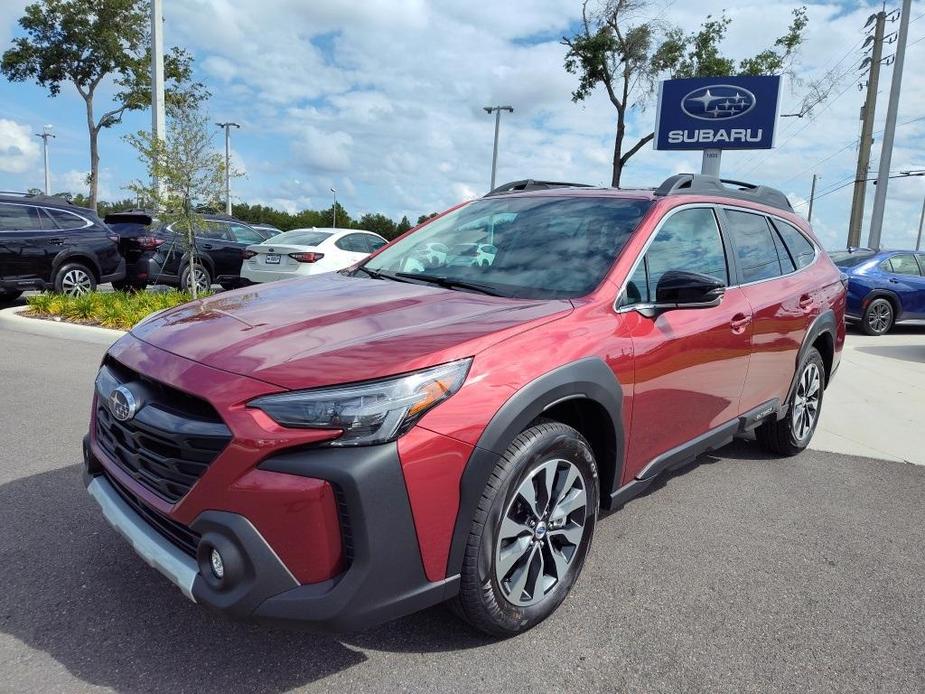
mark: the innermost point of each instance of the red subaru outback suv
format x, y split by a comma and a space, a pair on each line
445, 421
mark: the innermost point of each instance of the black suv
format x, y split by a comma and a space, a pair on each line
50, 243
137, 244
221, 251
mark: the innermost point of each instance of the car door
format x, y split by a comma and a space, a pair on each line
783, 300
689, 363
20, 254
225, 253
905, 279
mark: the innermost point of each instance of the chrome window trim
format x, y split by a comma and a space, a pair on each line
715, 206
26, 203
645, 249
87, 222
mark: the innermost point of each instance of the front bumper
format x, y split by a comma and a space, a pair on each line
384, 577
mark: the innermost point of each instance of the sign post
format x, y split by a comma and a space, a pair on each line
716, 113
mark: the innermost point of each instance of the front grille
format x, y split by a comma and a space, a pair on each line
177, 533
170, 441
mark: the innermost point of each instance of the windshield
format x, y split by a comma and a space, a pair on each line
300, 238
850, 259
531, 247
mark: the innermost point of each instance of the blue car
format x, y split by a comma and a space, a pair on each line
883, 287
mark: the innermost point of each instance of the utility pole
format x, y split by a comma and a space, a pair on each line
812, 198
158, 126
334, 208
886, 149
867, 130
45, 134
227, 126
918, 240
494, 157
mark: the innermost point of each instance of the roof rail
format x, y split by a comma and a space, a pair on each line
700, 184
531, 184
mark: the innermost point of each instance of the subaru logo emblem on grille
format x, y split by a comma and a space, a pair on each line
718, 102
122, 404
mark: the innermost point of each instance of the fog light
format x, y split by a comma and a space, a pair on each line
218, 566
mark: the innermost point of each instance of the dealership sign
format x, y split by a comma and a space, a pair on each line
717, 113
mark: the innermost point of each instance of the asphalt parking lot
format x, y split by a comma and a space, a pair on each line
740, 573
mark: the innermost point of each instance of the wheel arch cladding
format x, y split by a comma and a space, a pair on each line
588, 383
77, 256
821, 331
892, 297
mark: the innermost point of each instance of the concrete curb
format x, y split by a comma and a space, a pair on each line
10, 319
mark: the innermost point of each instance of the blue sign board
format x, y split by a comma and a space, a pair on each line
717, 113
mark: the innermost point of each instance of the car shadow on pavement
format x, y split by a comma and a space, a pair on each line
72, 588
913, 353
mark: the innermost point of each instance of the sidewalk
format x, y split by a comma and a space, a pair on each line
875, 407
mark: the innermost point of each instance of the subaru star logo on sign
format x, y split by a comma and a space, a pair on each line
718, 102
717, 113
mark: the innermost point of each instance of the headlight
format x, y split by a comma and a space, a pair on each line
372, 412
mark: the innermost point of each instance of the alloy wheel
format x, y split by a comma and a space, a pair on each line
76, 281
540, 532
879, 316
806, 401
201, 279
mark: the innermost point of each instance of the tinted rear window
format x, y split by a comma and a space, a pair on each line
846, 259
300, 238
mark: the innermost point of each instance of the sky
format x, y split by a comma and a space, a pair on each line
382, 99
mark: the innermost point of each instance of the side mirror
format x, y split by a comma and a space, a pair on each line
677, 290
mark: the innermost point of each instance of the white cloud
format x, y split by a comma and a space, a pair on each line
19, 149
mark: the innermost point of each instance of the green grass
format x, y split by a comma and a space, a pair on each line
119, 310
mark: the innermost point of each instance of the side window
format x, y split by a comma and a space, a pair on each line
19, 218
214, 230
904, 264
65, 220
243, 234
801, 248
688, 241
375, 243
351, 243
755, 249
787, 264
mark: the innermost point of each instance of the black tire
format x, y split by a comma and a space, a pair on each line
878, 317
482, 600
206, 278
790, 435
8, 295
74, 279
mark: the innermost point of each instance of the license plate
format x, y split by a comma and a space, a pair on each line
272, 259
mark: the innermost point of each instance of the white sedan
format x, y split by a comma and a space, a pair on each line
303, 252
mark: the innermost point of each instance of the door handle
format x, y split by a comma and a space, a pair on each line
55, 242
208, 246
739, 322
893, 280
806, 301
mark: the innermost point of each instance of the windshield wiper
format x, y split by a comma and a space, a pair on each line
451, 283
382, 275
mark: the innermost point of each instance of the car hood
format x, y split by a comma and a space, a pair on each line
333, 329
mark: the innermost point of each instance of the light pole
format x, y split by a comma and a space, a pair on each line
45, 134
158, 126
227, 126
494, 156
334, 190
918, 240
